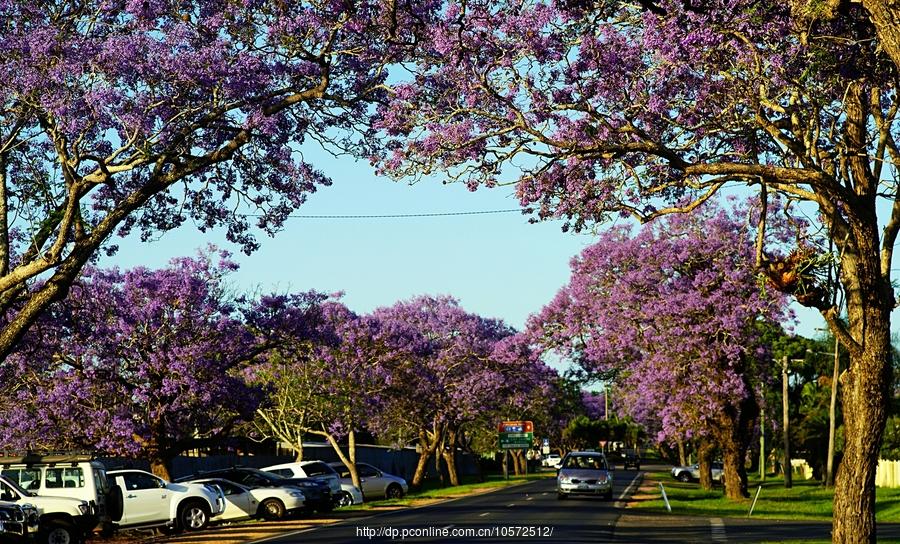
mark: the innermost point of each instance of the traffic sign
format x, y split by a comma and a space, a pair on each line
516, 435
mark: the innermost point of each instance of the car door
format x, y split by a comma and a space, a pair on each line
146, 499
239, 503
370, 479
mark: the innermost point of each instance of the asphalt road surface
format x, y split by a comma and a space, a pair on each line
525, 513
531, 513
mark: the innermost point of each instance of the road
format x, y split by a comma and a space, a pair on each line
525, 513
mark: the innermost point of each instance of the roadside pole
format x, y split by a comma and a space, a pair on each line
787, 469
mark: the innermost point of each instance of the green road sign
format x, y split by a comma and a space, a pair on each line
515, 441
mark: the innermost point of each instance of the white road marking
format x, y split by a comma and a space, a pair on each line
717, 528
627, 491
529, 498
544, 493
510, 505
485, 514
448, 527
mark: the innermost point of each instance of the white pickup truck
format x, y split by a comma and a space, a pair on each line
63, 520
149, 501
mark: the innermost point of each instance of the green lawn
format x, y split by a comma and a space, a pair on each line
432, 490
807, 500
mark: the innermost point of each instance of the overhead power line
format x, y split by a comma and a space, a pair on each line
404, 215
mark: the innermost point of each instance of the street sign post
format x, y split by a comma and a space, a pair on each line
515, 435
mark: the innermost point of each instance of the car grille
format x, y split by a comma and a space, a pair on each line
577, 481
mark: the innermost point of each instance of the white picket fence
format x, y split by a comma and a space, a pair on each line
888, 474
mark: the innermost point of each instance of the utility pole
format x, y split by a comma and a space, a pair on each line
829, 472
788, 483
606, 401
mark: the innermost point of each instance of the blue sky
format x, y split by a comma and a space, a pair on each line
497, 265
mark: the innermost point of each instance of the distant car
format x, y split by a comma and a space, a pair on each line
375, 482
551, 460
692, 472
631, 459
242, 502
584, 473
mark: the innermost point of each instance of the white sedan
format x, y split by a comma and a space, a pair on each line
242, 502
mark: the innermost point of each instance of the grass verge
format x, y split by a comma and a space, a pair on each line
806, 500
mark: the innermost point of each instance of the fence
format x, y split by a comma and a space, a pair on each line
887, 474
398, 462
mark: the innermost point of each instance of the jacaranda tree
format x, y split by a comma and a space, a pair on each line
145, 114
609, 108
674, 309
137, 363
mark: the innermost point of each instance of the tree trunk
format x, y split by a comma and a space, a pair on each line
160, 466
884, 15
428, 448
298, 449
450, 457
704, 459
736, 424
865, 393
349, 459
682, 458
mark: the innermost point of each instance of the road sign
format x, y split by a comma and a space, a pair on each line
515, 435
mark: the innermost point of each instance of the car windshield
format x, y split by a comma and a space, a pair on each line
585, 462
19, 488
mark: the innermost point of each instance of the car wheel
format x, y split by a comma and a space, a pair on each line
344, 499
193, 516
272, 509
59, 532
684, 477
394, 491
561, 496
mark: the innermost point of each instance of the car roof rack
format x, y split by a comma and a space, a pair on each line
51, 458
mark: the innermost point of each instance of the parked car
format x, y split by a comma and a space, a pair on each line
18, 522
692, 472
375, 482
150, 501
316, 470
317, 493
584, 473
242, 502
75, 475
349, 495
61, 520
551, 460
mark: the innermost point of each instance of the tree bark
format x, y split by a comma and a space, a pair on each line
428, 448
704, 459
736, 424
450, 457
159, 465
682, 458
865, 398
885, 15
349, 460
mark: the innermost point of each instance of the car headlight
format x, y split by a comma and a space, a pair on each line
297, 495
603, 478
565, 479
84, 507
